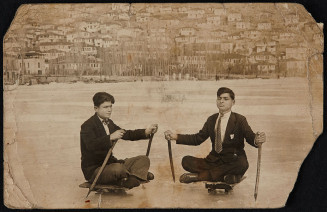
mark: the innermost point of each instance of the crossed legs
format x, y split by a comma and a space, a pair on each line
112, 173
208, 171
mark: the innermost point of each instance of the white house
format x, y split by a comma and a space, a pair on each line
264, 26
61, 46
89, 50
286, 36
165, 10
187, 31
266, 68
108, 43
52, 54
296, 67
92, 26
296, 53
219, 33
220, 11
226, 47
33, 66
123, 16
50, 37
243, 25
182, 9
193, 14
149, 8
234, 17
291, 19
213, 20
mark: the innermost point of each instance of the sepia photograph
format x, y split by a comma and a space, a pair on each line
159, 105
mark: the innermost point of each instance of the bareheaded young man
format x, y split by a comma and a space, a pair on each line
97, 136
227, 161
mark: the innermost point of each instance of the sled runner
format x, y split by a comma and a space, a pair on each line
104, 188
213, 186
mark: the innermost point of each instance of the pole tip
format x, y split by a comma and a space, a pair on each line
87, 194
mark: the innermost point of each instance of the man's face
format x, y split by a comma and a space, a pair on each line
104, 110
224, 103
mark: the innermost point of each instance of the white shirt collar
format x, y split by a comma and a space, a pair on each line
226, 115
104, 125
101, 119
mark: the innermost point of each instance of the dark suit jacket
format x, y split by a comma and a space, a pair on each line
95, 143
237, 130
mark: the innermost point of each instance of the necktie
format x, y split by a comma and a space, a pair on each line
218, 141
105, 121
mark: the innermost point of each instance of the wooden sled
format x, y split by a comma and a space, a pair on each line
213, 186
105, 188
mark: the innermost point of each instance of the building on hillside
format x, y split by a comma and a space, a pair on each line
296, 68
185, 39
265, 57
251, 34
227, 47
123, 16
266, 68
11, 70
195, 66
186, 31
52, 54
230, 60
165, 9
33, 64
243, 25
50, 37
75, 65
296, 53
266, 46
233, 17
264, 26
89, 50
291, 19
60, 46
194, 14
213, 20
220, 12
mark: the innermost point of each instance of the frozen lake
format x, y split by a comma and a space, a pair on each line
45, 156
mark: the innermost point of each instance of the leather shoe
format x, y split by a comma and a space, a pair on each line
232, 179
129, 182
150, 176
189, 178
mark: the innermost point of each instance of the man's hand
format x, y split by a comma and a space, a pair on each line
260, 138
170, 135
153, 128
118, 134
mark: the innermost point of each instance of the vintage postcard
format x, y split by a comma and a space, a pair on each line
222, 101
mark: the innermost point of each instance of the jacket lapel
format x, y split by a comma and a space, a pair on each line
212, 126
111, 126
99, 125
230, 126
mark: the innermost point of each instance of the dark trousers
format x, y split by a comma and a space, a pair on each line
137, 166
215, 171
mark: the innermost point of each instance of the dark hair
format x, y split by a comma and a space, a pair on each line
226, 90
102, 97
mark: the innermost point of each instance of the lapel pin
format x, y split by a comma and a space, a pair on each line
231, 136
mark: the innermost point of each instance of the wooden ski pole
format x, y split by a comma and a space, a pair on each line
258, 172
101, 169
149, 145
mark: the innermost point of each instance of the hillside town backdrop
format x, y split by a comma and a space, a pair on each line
67, 42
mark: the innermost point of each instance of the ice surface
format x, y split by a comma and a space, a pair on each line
44, 157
